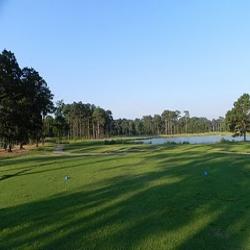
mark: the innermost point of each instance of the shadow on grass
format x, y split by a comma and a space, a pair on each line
171, 207
19, 173
37, 165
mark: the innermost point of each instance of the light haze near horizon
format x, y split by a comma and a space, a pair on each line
135, 57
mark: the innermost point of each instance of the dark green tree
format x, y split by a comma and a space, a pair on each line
10, 96
238, 118
38, 102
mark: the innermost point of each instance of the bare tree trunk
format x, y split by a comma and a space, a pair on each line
80, 128
98, 130
43, 132
9, 146
88, 129
93, 132
245, 135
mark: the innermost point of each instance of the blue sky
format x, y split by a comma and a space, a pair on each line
135, 57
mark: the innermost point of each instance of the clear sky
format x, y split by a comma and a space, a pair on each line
135, 57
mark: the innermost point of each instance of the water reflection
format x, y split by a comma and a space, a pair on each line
211, 139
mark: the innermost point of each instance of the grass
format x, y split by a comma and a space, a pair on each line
126, 196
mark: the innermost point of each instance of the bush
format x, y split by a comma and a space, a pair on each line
170, 143
112, 142
223, 140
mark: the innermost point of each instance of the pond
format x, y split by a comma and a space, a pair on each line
208, 139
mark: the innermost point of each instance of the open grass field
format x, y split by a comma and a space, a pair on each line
126, 196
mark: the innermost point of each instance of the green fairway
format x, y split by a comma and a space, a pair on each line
127, 196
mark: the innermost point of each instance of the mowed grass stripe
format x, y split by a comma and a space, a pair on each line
150, 197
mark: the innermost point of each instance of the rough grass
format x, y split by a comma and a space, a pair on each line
126, 196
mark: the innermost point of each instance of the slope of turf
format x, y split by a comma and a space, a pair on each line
127, 196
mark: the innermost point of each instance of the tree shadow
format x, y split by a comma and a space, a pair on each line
19, 173
172, 206
37, 165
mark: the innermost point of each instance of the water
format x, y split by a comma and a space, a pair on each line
210, 139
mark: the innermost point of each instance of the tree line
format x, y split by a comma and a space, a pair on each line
28, 115
79, 120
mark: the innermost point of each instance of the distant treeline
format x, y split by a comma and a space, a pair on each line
28, 115
79, 120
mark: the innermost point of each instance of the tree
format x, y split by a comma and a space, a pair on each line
99, 119
186, 116
238, 118
157, 122
170, 119
166, 117
49, 126
148, 124
139, 127
10, 95
108, 122
25, 100
38, 102
60, 124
